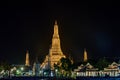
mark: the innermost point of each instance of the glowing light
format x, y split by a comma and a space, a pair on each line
18, 71
22, 68
56, 70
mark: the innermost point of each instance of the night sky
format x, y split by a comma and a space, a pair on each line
29, 26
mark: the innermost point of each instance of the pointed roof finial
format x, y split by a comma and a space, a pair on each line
27, 51
84, 49
55, 22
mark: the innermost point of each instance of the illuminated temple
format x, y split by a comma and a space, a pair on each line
27, 63
55, 52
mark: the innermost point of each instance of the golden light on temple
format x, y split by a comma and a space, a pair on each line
27, 63
85, 55
55, 52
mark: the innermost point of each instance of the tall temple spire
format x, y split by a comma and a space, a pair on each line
55, 52
85, 55
27, 63
56, 48
55, 22
56, 30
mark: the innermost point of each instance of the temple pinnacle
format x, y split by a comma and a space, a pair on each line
85, 55
27, 59
55, 22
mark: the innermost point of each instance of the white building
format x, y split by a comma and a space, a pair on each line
86, 70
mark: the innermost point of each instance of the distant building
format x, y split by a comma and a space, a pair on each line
85, 55
112, 70
86, 70
27, 61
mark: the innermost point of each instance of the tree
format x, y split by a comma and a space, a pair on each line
102, 63
64, 66
6, 67
1, 68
